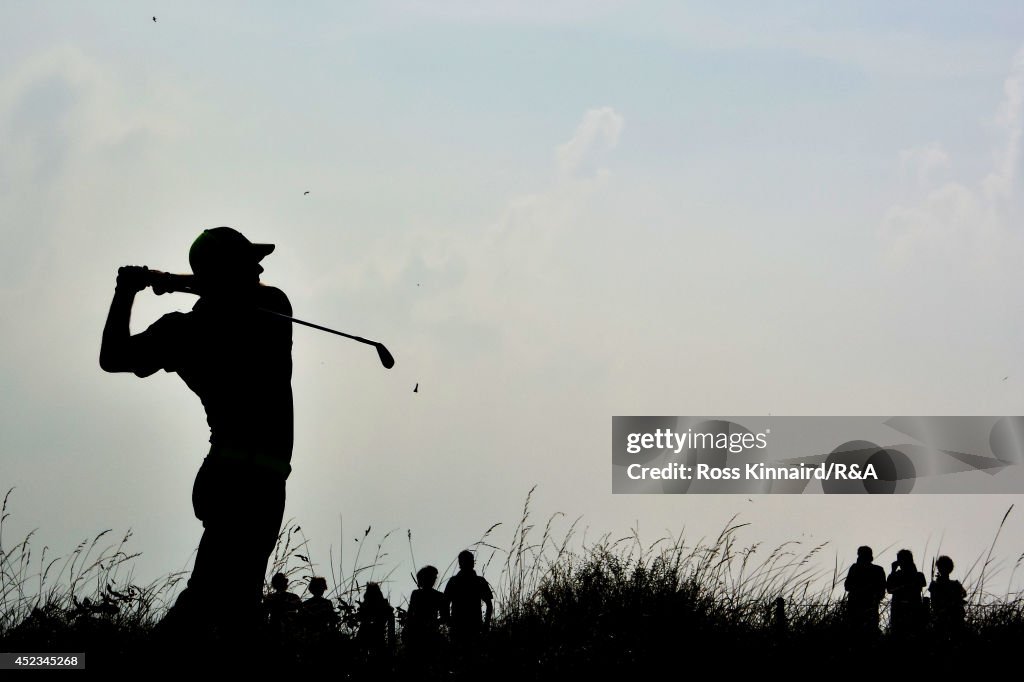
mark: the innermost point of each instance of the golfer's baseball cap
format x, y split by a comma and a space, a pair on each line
223, 246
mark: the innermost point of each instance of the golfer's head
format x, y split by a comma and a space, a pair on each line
223, 259
465, 559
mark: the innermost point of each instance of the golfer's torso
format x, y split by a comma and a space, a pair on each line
238, 361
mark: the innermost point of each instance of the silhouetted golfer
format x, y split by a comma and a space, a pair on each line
426, 609
905, 583
865, 587
464, 593
281, 606
948, 597
237, 359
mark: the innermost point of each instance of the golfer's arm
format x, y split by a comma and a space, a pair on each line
115, 350
489, 610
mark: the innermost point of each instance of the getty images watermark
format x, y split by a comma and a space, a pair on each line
832, 455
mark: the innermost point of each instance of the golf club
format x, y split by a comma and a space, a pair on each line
382, 352
165, 282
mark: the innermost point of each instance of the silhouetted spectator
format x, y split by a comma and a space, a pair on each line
780, 624
905, 583
281, 605
318, 613
464, 594
865, 588
948, 598
426, 610
376, 621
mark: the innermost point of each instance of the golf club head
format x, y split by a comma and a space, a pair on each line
385, 356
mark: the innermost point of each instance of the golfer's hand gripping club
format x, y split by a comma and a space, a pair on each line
133, 278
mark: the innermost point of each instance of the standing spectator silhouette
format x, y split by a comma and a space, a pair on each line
779, 621
237, 359
948, 598
318, 613
281, 605
464, 593
426, 610
376, 620
905, 583
865, 588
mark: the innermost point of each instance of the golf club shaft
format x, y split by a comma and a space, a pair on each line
323, 329
383, 353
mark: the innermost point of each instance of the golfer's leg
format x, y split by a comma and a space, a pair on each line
266, 527
257, 533
188, 610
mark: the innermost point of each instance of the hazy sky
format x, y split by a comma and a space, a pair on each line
551, 213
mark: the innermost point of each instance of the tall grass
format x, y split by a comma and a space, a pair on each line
715, 582
92, 580
559, 598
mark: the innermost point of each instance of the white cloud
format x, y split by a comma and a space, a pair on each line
961, 222
508, 278
67, 125
599, 130
527, 237
62, 94
520, 239
921, 164
1010, 121
949, 222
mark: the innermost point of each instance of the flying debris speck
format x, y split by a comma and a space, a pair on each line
305, 193
154, 18
416, 389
